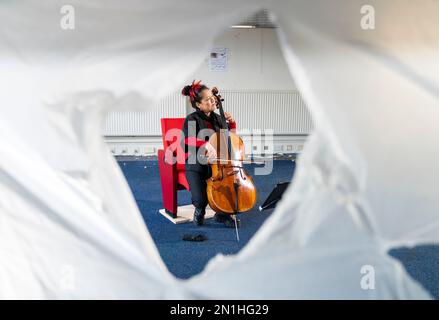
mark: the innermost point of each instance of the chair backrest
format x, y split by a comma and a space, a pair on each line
171, 134
169, 124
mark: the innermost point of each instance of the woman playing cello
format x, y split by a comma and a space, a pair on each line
197, 172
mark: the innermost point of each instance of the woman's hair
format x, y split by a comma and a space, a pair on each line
193, 91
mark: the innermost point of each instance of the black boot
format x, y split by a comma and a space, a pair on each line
199, 216
226, 219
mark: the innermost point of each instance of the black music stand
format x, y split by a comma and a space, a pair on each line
274, 196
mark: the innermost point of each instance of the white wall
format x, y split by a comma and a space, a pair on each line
255, 62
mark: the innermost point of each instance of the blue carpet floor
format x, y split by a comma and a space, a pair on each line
185, 259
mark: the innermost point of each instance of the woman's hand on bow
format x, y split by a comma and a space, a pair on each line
229, 117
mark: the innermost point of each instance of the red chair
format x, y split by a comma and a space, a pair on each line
172, 175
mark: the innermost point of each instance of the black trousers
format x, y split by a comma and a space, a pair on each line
197, 184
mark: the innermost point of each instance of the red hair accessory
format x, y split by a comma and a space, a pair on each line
194, 87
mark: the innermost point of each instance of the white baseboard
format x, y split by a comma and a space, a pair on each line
149, 145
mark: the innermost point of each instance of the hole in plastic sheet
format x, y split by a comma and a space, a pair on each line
214, 234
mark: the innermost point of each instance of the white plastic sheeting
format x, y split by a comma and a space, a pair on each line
69, 226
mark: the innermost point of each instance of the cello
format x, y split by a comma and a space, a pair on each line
230, 189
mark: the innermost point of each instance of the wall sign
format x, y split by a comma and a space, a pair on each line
218, 59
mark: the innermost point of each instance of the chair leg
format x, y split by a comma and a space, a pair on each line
168, 179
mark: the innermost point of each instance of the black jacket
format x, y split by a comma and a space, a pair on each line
198, 120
